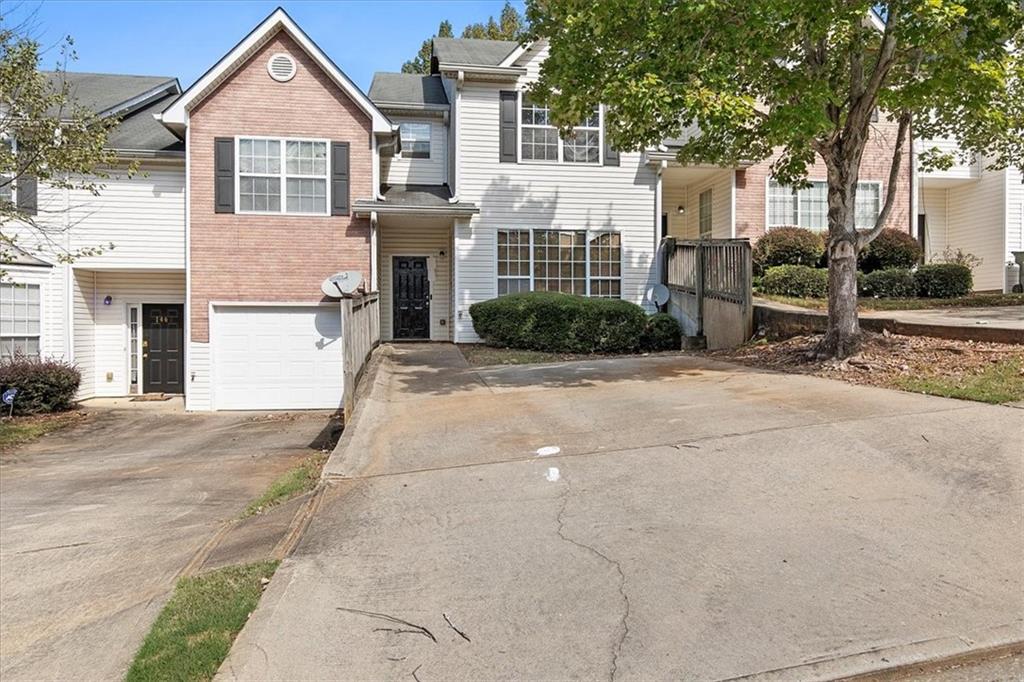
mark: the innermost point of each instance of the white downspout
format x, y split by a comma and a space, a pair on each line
657, 220
459, 81
374, 285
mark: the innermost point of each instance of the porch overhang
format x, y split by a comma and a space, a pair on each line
415, 200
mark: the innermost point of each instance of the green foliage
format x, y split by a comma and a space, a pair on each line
43, 385
301, 478
1000, 382
193, 633
56, 140
788, 246
943, 280
661, 333
890, 249
889, 283
559, 323
801, 281
959, 257
510, 25
421, 62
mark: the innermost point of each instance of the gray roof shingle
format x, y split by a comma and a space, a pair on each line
472, 50
108, 92
407, 88
416, 195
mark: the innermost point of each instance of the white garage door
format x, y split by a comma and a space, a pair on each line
276, 357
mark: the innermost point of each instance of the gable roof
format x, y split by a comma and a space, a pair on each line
133, 99
474, 51
407, 89
176, 115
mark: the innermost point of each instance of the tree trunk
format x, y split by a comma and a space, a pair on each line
842, 335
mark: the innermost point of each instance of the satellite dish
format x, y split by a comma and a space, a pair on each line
342, 283
659, 294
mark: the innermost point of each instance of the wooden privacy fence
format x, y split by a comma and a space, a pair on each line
710, 289
360, 332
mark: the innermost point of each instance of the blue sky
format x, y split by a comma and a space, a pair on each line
184, 39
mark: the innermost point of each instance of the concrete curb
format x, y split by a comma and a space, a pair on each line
339, 464
783, 322
892, 663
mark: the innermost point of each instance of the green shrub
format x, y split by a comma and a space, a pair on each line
787, 246
661, 333
800, 281
559, 323
43, 385
890, 249
889, 283
943, 280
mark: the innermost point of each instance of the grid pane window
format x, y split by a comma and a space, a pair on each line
814, 206
868, 204
513, 261
704, 214
584, 145
306, 158
415, 140
782, 209
307, 195
133, 347
808, 207
260, 157
560, 261
606, 265
260, 194
19, 320
540, 138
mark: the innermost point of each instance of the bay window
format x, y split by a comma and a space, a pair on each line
20, 320
808, 206
266, 166
568, 261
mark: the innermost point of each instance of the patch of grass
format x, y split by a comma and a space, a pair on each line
195, 630
22, 430
301, 478
1000, 382
970, 301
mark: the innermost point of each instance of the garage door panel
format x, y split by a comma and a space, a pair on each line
276, 357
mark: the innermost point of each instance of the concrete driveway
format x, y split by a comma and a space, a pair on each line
647, 518
97, 523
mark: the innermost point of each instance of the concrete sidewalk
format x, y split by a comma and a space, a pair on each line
1003, 317
698, 521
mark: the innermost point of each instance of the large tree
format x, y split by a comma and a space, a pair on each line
508, 26
797, 80
45, 137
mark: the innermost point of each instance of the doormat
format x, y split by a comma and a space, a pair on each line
149, 398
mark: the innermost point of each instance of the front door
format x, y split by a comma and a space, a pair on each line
411, 298
163, 349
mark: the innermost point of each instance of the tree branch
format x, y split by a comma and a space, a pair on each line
865, 238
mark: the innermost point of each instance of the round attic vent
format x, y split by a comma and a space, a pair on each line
281, 67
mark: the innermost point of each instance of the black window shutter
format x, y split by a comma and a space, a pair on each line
26, 194
224, 175
507, 131
339, 178
611, 156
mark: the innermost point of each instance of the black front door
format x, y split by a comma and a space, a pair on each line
163, 349
412, 297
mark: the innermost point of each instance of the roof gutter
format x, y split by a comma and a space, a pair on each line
483, 70
656, 156
364, 208
412, 106
148, 154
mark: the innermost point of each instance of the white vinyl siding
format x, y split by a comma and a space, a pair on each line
932, 203
417, 237
1014, 211
686, 225
403, 170
962, 169
542, 196
704, 216
808, 206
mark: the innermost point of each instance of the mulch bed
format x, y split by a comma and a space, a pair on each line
883, 359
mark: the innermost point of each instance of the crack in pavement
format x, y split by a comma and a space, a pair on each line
624, 620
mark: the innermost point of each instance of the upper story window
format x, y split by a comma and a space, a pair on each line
704, 217
415, 140
584, 145
808, 207
539, 140
20, 320
268, 165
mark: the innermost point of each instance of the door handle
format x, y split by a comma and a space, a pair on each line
145, 355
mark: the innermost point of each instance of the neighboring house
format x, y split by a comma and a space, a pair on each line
972, 209
274, 171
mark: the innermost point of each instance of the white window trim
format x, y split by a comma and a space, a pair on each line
561, 143
42, 315
282, 176
768, 212
430, 141
587, 276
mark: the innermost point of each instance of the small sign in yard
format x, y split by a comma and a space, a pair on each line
8, 398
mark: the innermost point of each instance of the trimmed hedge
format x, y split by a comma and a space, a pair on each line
890, 249
800, 281
662, 333
889, 283
559, 323
788, 246
43, 385
943, 280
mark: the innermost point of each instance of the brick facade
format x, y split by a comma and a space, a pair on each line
752, 184
270, 257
